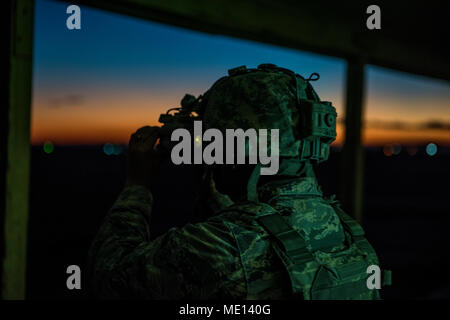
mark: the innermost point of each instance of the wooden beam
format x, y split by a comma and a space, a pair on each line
351, 177
335, 29
17, 160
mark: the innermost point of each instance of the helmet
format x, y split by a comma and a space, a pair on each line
268, 97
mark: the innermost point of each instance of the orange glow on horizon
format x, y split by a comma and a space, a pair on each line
113, 119
377, 137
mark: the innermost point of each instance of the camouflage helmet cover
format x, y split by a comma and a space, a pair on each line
273, 98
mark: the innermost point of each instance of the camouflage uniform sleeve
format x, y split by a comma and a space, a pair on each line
197, 261
121, 258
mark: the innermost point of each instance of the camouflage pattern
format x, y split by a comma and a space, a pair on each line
227, 256
233, 254
256, 100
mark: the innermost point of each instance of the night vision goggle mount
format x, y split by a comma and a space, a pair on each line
183, 117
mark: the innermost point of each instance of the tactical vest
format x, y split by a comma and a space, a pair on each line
340, 276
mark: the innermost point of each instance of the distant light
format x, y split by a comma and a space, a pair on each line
388, 150
117, 150
48, 147
397, 148
412, 151
198, 141
108, 149
431, 149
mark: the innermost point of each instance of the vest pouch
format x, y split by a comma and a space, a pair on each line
345, 282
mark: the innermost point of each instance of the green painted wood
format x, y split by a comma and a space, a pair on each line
18, 150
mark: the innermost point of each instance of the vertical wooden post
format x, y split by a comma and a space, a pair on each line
16, 142
352, 158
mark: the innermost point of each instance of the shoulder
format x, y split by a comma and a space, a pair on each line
206, 255
211, 240
317, 222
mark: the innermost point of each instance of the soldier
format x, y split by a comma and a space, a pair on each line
268, 237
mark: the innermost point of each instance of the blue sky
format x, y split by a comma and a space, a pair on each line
115, 50
121, 72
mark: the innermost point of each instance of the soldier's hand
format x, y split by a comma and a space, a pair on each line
142, 158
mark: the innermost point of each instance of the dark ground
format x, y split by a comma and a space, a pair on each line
407, 215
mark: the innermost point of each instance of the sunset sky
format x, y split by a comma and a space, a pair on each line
100, 83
